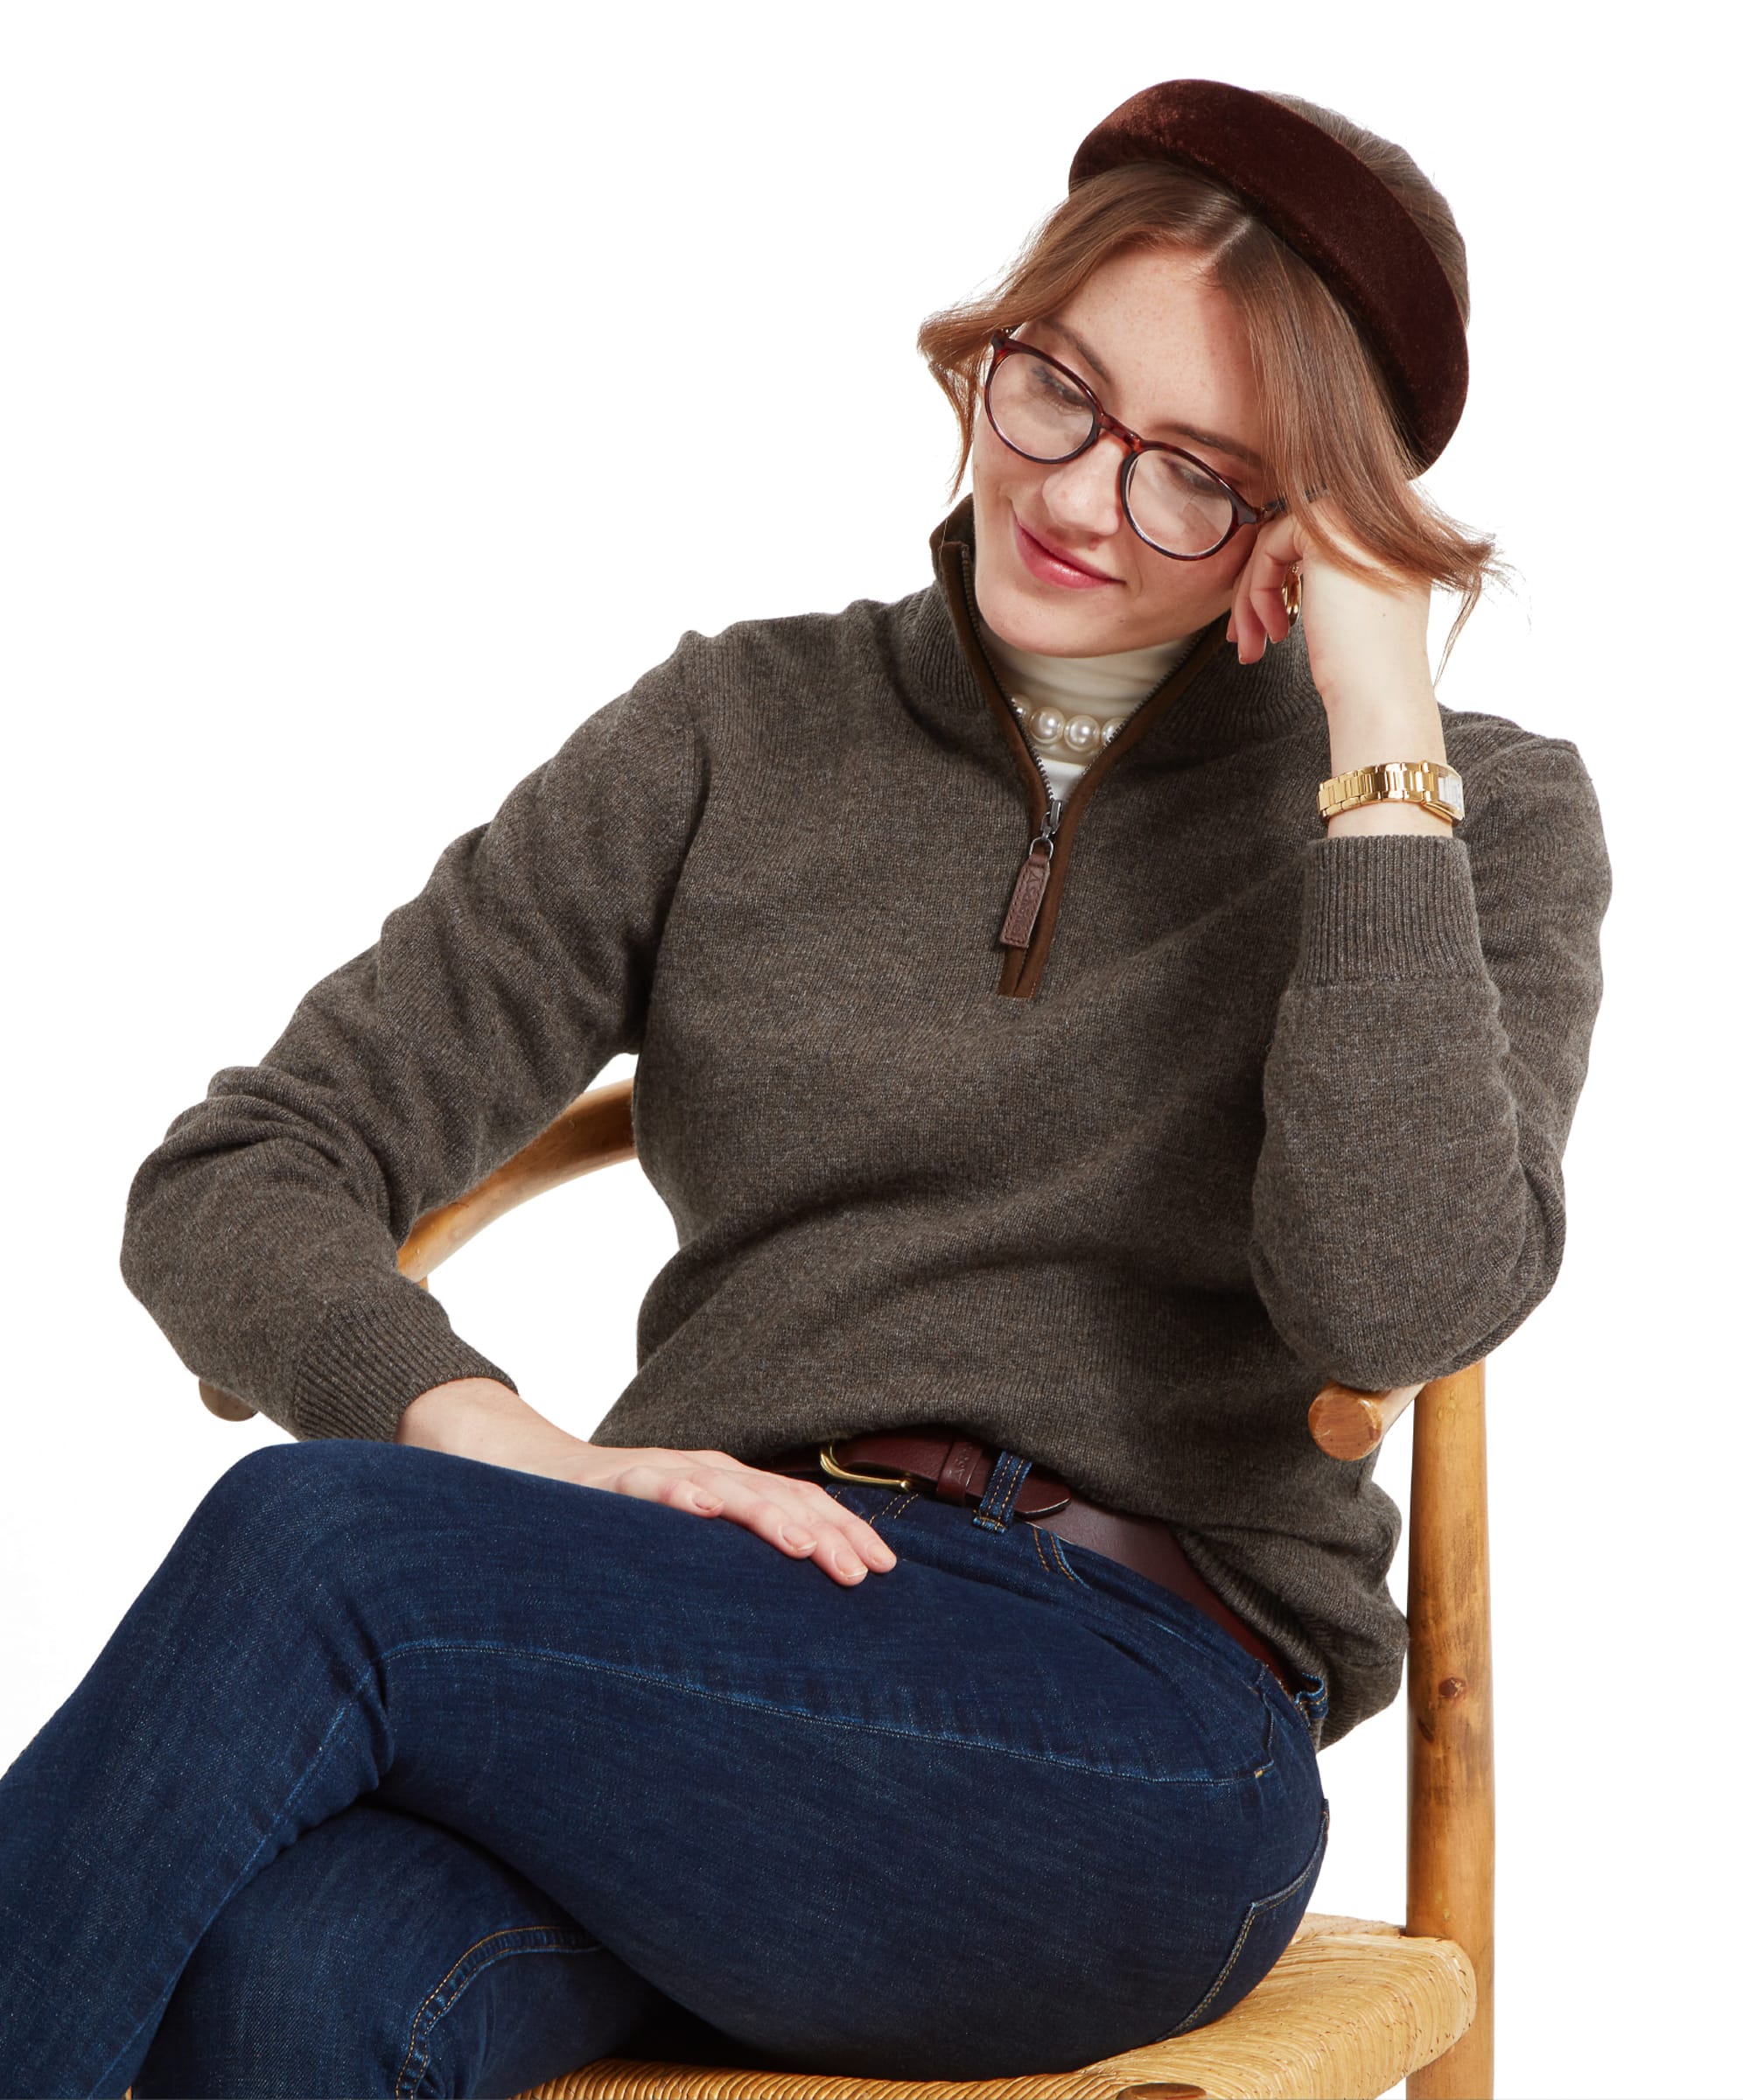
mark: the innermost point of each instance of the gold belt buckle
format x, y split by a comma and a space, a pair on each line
831, 1466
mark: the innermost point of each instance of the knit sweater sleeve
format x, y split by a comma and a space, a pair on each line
1421, 1080
262, 1233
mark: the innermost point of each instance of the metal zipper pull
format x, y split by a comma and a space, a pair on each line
1032, 882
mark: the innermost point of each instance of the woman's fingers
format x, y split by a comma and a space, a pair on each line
1257, 613
803, 1519
800, 1518
1249, 627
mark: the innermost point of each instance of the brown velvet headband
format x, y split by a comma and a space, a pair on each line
1331, 209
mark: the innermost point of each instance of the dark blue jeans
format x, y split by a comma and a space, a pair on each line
406, 1773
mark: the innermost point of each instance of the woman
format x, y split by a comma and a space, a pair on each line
1058, 1066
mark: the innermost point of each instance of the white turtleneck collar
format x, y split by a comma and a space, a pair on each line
1069, 704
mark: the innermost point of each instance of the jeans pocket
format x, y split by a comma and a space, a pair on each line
1267, 1928
1050, 1551
874, 1504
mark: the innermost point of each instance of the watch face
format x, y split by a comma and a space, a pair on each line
1452, 794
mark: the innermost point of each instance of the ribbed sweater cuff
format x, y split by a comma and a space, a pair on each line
1388, 904
371, 1357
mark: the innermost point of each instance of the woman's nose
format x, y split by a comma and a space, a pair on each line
1086, 491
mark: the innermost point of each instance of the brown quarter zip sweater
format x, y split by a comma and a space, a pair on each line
1253, 1107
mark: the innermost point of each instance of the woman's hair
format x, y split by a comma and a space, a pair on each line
1328, 422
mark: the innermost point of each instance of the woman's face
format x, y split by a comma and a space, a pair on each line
1166, 353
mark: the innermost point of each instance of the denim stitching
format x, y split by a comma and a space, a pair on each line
820, 1720
557, 1939
1008, 1475
343, 1714
989, 1511
1013, 1480
1198, 1640
1298, 1710
1254, 1912
1311, 1701
985, 1512
1043, 1531
876, 1517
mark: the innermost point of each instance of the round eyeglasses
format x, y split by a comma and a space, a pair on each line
1172, 502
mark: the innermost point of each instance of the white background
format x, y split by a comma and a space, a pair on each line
352, 364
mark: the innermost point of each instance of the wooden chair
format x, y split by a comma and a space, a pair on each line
1353, 2006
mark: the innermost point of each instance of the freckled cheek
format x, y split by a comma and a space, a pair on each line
983, 454
1001, 482
1192, 590
998, 471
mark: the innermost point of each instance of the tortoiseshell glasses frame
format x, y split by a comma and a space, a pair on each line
1005, 345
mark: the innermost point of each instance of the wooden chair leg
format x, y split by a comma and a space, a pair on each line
1451, 1733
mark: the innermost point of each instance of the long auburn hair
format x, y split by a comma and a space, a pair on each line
1328, 422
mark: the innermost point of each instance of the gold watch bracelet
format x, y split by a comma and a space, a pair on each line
1425, 781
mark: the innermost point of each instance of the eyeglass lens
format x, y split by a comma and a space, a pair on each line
1036, 409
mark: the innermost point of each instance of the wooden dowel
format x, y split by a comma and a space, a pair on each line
1452, 1730
592, 1131
1348, 1423
225, 1405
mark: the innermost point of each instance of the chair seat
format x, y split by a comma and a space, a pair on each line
1350, 2009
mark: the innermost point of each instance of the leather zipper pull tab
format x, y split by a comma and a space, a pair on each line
1025, 898
1031, 885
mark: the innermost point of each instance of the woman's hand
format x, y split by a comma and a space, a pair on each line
481, 1418
1366, 641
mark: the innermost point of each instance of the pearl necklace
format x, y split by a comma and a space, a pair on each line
1052, 728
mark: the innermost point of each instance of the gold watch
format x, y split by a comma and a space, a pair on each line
1424, 781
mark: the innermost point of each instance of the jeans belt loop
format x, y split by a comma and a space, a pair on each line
991, 1512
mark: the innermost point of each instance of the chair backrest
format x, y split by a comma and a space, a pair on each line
1451, 1778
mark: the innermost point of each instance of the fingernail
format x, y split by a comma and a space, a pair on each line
796, 1538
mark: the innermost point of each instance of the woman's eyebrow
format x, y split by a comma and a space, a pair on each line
1183, 429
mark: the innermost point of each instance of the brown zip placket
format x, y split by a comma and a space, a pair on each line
1033, 909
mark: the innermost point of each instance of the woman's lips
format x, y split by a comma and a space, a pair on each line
1051, 568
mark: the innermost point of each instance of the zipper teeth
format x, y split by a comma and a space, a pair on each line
1056, 807
1054, 803
1108, 742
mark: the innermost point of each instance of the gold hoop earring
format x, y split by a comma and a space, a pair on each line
1291, 594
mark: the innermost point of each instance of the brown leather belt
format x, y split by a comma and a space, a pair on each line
956, 1469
